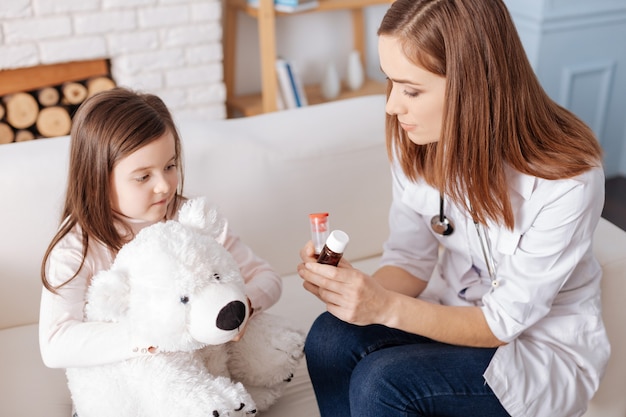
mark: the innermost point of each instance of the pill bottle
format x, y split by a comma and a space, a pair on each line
319, 230
333, 248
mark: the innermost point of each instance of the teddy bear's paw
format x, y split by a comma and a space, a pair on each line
290, 346
220, 397
247, 410
291, 342
241, 401
264, 397
268, 354
214, 407
242, 410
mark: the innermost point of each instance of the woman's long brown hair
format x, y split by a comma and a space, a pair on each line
107, 127
495, 113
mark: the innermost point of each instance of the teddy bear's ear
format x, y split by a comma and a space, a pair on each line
199, 214
107, 297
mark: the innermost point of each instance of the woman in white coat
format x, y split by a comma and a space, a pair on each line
487, 300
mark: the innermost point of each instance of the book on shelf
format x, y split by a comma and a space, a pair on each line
296, 84
284, 85
290, 85
289, 6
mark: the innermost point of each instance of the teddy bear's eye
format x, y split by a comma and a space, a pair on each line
217, 276
184, 299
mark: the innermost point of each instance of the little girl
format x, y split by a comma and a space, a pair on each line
125, 173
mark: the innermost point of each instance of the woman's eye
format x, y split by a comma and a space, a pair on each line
410, 93
142, 178
170, 166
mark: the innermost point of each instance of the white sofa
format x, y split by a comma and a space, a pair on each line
267, 173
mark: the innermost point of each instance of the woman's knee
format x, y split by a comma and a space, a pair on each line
375, 387
322, 338
379, 369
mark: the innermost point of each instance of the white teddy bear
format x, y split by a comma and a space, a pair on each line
181, 291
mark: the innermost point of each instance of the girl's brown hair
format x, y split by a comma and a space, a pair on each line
495, 113
107, 127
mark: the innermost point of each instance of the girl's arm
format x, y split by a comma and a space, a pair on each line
65, 339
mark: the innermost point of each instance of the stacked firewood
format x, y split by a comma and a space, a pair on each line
45, 112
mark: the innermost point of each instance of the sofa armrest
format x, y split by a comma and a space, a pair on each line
610, 249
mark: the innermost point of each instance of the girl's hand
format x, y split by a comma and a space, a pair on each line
348, 293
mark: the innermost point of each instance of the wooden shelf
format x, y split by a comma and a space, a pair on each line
252, 104
265, 14
324, 5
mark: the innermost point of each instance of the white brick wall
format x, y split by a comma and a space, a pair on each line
167, 47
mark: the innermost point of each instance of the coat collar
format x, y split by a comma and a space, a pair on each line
523, 184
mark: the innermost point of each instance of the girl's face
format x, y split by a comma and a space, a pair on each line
417, 96
144, 182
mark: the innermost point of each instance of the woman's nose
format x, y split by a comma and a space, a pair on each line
392, 106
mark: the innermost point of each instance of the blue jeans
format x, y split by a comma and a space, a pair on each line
376, 371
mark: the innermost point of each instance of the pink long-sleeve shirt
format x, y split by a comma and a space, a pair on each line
66, 340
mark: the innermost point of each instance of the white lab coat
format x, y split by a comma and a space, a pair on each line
545, 302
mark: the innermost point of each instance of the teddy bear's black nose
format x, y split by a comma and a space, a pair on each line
231, 316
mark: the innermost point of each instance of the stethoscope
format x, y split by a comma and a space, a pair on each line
440, 223
444, 226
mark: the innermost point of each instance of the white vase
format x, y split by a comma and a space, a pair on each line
355, 75
331, 84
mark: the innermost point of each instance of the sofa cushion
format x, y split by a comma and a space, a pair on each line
31, 386
32, 181
609, 244
267, 176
